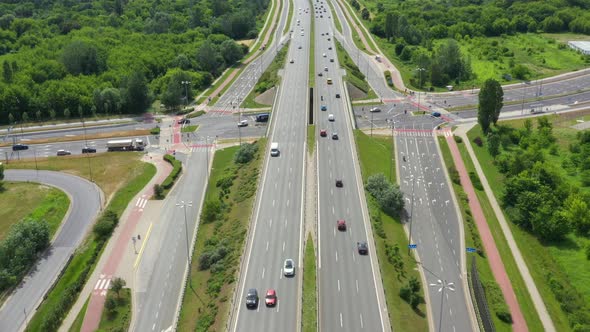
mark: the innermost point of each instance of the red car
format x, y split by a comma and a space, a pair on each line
271, 298
323, 133
341, 225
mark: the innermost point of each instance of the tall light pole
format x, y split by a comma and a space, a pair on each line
420, 69
186, 84
442, 286
392, 149
523, 91
85, 146
183, 206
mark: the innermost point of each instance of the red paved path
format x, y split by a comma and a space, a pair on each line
98, 297
496, 264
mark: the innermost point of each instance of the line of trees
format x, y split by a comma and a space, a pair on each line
62, 59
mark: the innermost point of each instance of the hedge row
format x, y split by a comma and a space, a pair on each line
160, 190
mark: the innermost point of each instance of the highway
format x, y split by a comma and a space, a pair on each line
351, 296
434, 225
160, 273
277, 228
85, 202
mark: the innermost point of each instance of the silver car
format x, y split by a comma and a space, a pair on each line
289, 268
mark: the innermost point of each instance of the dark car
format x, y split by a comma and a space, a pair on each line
252, 298
88, 150
436, 114
362, 247
19, 147
341, 224
339, 183
331, 60
324, 108
184, 121
334, 136
337, 95
262, 117
63, 153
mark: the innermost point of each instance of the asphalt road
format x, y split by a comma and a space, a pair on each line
278, 224
85, 201
160, 274
349, 297
434, 225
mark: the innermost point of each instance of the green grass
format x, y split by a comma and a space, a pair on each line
312, 48
195, 114
77, 324
189, 129
289, 17
375, 157
353, 75
335, 17
206, 301
262, 33
361, 25
310, 138
485, 273
120, 318
84, 256
310, 301
541, 260
35, 201
250, 103
270, 78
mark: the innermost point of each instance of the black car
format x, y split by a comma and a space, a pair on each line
252, 298
362, 247
337, 95
339, 183
88, 150
184, 121
19, 147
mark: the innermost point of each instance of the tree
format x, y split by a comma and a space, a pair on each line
38, 115
110, 304
493, 143
25, 117
7, 72
52, 114
117, 285
231, 52
365, 14
491, 97
577, 213
10, 118
245, 153
67, 113
208, 57
80, 57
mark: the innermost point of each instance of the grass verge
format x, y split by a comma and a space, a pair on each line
119, 317
495, 299
289, 17
62, 296
168, 183
540, 261
361, 26
270, 78
375, 157
309, 318
195, 114
353, 74
35, 201
312, 49
336, 19
189, 129
109, 134
223, 227
310, 138
77, 325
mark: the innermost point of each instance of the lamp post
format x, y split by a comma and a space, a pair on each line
442, 286
186, 84
183, 206
411, 212
523, 92
420, 69
392, 149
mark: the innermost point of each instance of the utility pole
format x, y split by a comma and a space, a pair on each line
186, 84
420, 69
392, 150
442, 286
183, 206
411, 215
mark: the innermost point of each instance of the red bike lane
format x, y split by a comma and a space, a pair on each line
127, 234
494, 259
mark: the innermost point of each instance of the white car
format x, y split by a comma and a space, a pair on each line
243, 123
324, 55
330, 117
292, 61
289, 268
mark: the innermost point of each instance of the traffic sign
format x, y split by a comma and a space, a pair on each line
412, 246
471, 249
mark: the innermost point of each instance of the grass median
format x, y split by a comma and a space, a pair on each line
117, 314
310, 138
375, 154
353, 74
335, 16
310, 301
311, 49
220, 240
269, 79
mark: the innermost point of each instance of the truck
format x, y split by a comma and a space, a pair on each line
125, 145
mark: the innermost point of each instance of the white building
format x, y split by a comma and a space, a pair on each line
580, 46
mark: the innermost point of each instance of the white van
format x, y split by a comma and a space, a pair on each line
274, 149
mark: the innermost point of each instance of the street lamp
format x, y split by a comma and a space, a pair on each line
186, 84
420, 69
413, 179
392, 149
442, 286
183, 206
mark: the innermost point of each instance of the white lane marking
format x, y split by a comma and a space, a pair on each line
154, 326
362, 325
336, 255
333, 211
273, 202
271, 222
287, 202
338, 284
357, 285
283, 246
157, 314
263, 269
266, 245
341, 320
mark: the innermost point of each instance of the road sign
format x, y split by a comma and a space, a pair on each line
471, 249
412, 246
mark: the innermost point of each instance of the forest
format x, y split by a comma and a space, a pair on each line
418, 32
62, 59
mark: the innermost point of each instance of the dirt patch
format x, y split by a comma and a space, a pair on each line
354, 92
267, 97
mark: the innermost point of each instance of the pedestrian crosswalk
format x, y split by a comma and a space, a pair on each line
201, 147
141, 202
419, 132
102, 285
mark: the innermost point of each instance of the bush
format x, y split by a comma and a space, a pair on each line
388, 195
105, 225
458, 139
155, 131
588, 252
245, 153
177, 167
454, 174
475, 181
478, 141
211, 211
158, 191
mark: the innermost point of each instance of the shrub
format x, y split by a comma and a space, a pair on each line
388, 195
458, 139
158, 191
105, 225
475, 181
155, 131
211, 211
454, 174
478, 141
588, 252
245, 153
177, 167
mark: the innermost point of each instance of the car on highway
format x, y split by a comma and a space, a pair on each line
325, 68
299, 46
252, 298
337, 95
339, 183
324, 55
436, 114
293, 61
331, 117
324, 108
323, 133
362, 247
184, 121
329, 81
88, 150
243, 123
63, 153
331, 60
334, 136
330, 48
341, 225
320, 74
262, 117
289, 268
375, 110
19, 147
271, 298
329, 38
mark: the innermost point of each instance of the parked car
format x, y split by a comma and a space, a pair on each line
252, 298
362, 247
341, 224
88, 150
271, 298
63, 153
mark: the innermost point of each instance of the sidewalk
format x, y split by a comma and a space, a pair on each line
495, 261
109, 265
520, 262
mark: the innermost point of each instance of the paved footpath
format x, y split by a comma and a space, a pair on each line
494, 259
118, 246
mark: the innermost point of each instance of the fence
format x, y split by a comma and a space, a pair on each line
481, 304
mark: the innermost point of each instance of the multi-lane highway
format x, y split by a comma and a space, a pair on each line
278, 224
350, 292
85, 198
434, 225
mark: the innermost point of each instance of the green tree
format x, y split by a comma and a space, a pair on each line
231, 52
67, 113
491, 97
208, 57
365, 14
52, 114
117, 285
245, 153
577, 213
493, 142
136, 93
80, 57
38, 115
25, 117
110, 304
7, 72
10, 118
